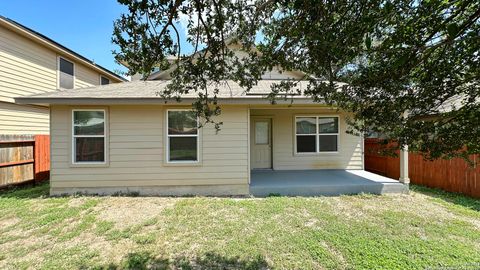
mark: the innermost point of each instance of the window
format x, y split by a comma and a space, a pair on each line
182, 136
316, 134
104, 80
66, 76
262, 132
88, 136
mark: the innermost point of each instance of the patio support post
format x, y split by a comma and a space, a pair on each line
404, 166
404, 161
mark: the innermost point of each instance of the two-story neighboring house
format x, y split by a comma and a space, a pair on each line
31, 63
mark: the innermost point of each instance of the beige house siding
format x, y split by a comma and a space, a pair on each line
25, 67
136, 152
28, 68
23, 119
136, 144
349, 156
85, 77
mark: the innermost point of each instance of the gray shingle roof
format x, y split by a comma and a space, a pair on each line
454, 103
153, 89
151, 92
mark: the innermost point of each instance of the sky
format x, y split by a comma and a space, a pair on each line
84, 26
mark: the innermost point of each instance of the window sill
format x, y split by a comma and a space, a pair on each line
315, 154
89, 165
183, 164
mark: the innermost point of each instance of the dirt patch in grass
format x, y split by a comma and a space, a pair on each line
77, 202
415, 203
28, 247
109, 251
7, 222
34, 248
125, 212
364, 207
347, 208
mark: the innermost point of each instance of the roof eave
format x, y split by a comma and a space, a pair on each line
159, 101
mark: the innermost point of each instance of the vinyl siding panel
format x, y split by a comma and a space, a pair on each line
274, 74
349, 156
85, 77
136, 144
25, 67
23, 120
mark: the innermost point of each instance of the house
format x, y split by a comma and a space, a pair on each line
124, 138
31, 63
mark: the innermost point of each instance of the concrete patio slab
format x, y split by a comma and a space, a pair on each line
321, 183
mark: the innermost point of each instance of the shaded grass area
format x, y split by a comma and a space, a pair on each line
449, 199
425, 229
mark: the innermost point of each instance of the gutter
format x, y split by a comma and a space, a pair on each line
153, 100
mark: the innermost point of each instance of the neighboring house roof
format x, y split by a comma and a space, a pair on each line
232, 45
151, 91
454, 103
32, 34
165, 74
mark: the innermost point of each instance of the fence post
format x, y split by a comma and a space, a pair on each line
35, 160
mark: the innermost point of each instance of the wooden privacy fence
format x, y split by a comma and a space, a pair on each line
454, 175
24, 158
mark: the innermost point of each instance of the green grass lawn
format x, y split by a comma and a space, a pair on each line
425, 229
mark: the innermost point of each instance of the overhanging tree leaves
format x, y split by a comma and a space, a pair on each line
407, 69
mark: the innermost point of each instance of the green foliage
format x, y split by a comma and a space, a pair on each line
102, 227
37, 191
406, 69
137, 261
69, 258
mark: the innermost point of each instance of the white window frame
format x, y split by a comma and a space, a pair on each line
104, 136
317, 134
58, 71
167, 150
100, 80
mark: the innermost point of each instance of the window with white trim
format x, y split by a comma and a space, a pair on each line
88, 136
316, 134
182, 136
66, 74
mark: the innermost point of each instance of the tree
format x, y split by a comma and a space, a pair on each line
407, 69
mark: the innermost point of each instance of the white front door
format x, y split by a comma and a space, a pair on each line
261, 142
